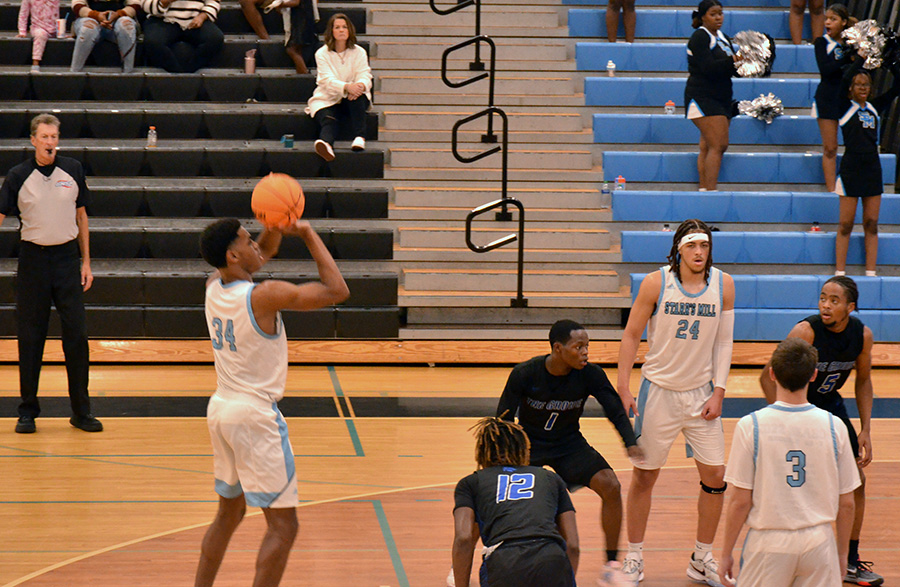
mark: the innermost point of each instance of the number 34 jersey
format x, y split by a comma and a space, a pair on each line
248, 360
681, 333
797, 461
514, 503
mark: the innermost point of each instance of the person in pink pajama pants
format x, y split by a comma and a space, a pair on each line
44, 16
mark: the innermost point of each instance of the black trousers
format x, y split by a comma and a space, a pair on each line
45, 275
527, 563
354, 109
160, 38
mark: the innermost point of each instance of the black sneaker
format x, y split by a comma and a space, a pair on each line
25, 425
87, 423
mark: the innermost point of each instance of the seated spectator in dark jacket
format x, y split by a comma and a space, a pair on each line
300, 16
188, 21
113, 20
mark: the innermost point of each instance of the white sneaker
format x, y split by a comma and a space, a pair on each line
612, 576
705, 571
324, 150
36, 68
358, 144
633, 568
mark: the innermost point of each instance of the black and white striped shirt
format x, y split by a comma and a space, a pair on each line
181, 12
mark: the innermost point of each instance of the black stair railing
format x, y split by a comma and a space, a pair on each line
505, 201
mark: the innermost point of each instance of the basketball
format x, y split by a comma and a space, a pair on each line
277, 200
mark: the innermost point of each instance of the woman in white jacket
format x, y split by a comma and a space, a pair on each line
343, 86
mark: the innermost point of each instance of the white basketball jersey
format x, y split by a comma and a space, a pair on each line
248, 360
797, 460
681, 333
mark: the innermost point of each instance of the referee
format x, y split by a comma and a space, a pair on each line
49, 195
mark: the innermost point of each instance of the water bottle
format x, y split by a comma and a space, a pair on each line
666, 228
611, 68
815, 227
620, 183
605, 192
151, 137
670, 107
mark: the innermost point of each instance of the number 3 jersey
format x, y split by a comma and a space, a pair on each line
248, 360
514, 503
797, 461
682, 332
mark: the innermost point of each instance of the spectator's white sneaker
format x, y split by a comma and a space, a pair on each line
358, 144
633, 568
705, 571
324, 150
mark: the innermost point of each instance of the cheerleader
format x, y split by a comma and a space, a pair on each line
859, 175
707, 95
831, 57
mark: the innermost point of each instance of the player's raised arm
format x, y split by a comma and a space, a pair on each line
800, 330
274, 295
864, 394
269, 240
640, 314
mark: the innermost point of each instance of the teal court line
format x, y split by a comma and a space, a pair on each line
402, 579
351, 426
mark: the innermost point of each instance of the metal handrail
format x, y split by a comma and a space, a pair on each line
490, 137
476, 65
519, 301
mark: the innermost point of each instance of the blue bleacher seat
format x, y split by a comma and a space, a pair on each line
760, 207
655, 166
687, 204
773, 247
668, 24
775, 324
787, 291
667, 129
647, 57
890, 293
744, 291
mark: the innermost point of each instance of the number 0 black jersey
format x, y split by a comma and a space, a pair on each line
549, 407
838, 352
514, 503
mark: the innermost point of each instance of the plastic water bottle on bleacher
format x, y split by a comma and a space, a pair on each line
670, 107
151, 137
605, 192
620, 183
610, 68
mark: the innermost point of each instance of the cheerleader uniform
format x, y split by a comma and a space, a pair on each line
710, 67
859, 174
831, 58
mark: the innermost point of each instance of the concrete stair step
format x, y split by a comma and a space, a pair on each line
479, 101
451, 298
432, 51
405, 120
509, 317
417, 257
465, 30
492, 176
505, 62
560, 85
517, 139
516, 159
422, 16
535, 237
471, 197
400, 213
503, 280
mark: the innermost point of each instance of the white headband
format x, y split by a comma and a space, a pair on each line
693, 237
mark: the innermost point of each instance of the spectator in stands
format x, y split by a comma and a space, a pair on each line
859, 175
113, 20
44, 15
816, 19
343, 86
612, 19
299, 28
707, 95
188, 21
832, 57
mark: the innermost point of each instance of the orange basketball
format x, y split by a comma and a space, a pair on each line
277, 200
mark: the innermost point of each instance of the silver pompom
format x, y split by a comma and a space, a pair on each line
766, 108
757, 52
868, 40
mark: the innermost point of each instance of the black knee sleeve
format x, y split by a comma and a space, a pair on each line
714, 490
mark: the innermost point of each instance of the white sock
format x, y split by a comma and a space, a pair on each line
700, 550
840, 273
637, 548
701, 190
870, 274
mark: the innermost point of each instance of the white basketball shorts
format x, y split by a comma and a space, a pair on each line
251, 450
665, 414
801, 558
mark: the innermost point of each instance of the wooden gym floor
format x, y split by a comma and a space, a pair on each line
129, 506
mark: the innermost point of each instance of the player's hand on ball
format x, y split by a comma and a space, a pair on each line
297, 228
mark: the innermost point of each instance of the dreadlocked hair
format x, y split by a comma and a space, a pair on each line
500, 442
687, 227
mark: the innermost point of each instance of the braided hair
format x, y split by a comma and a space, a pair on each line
500, 442
851, 292
685, 228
